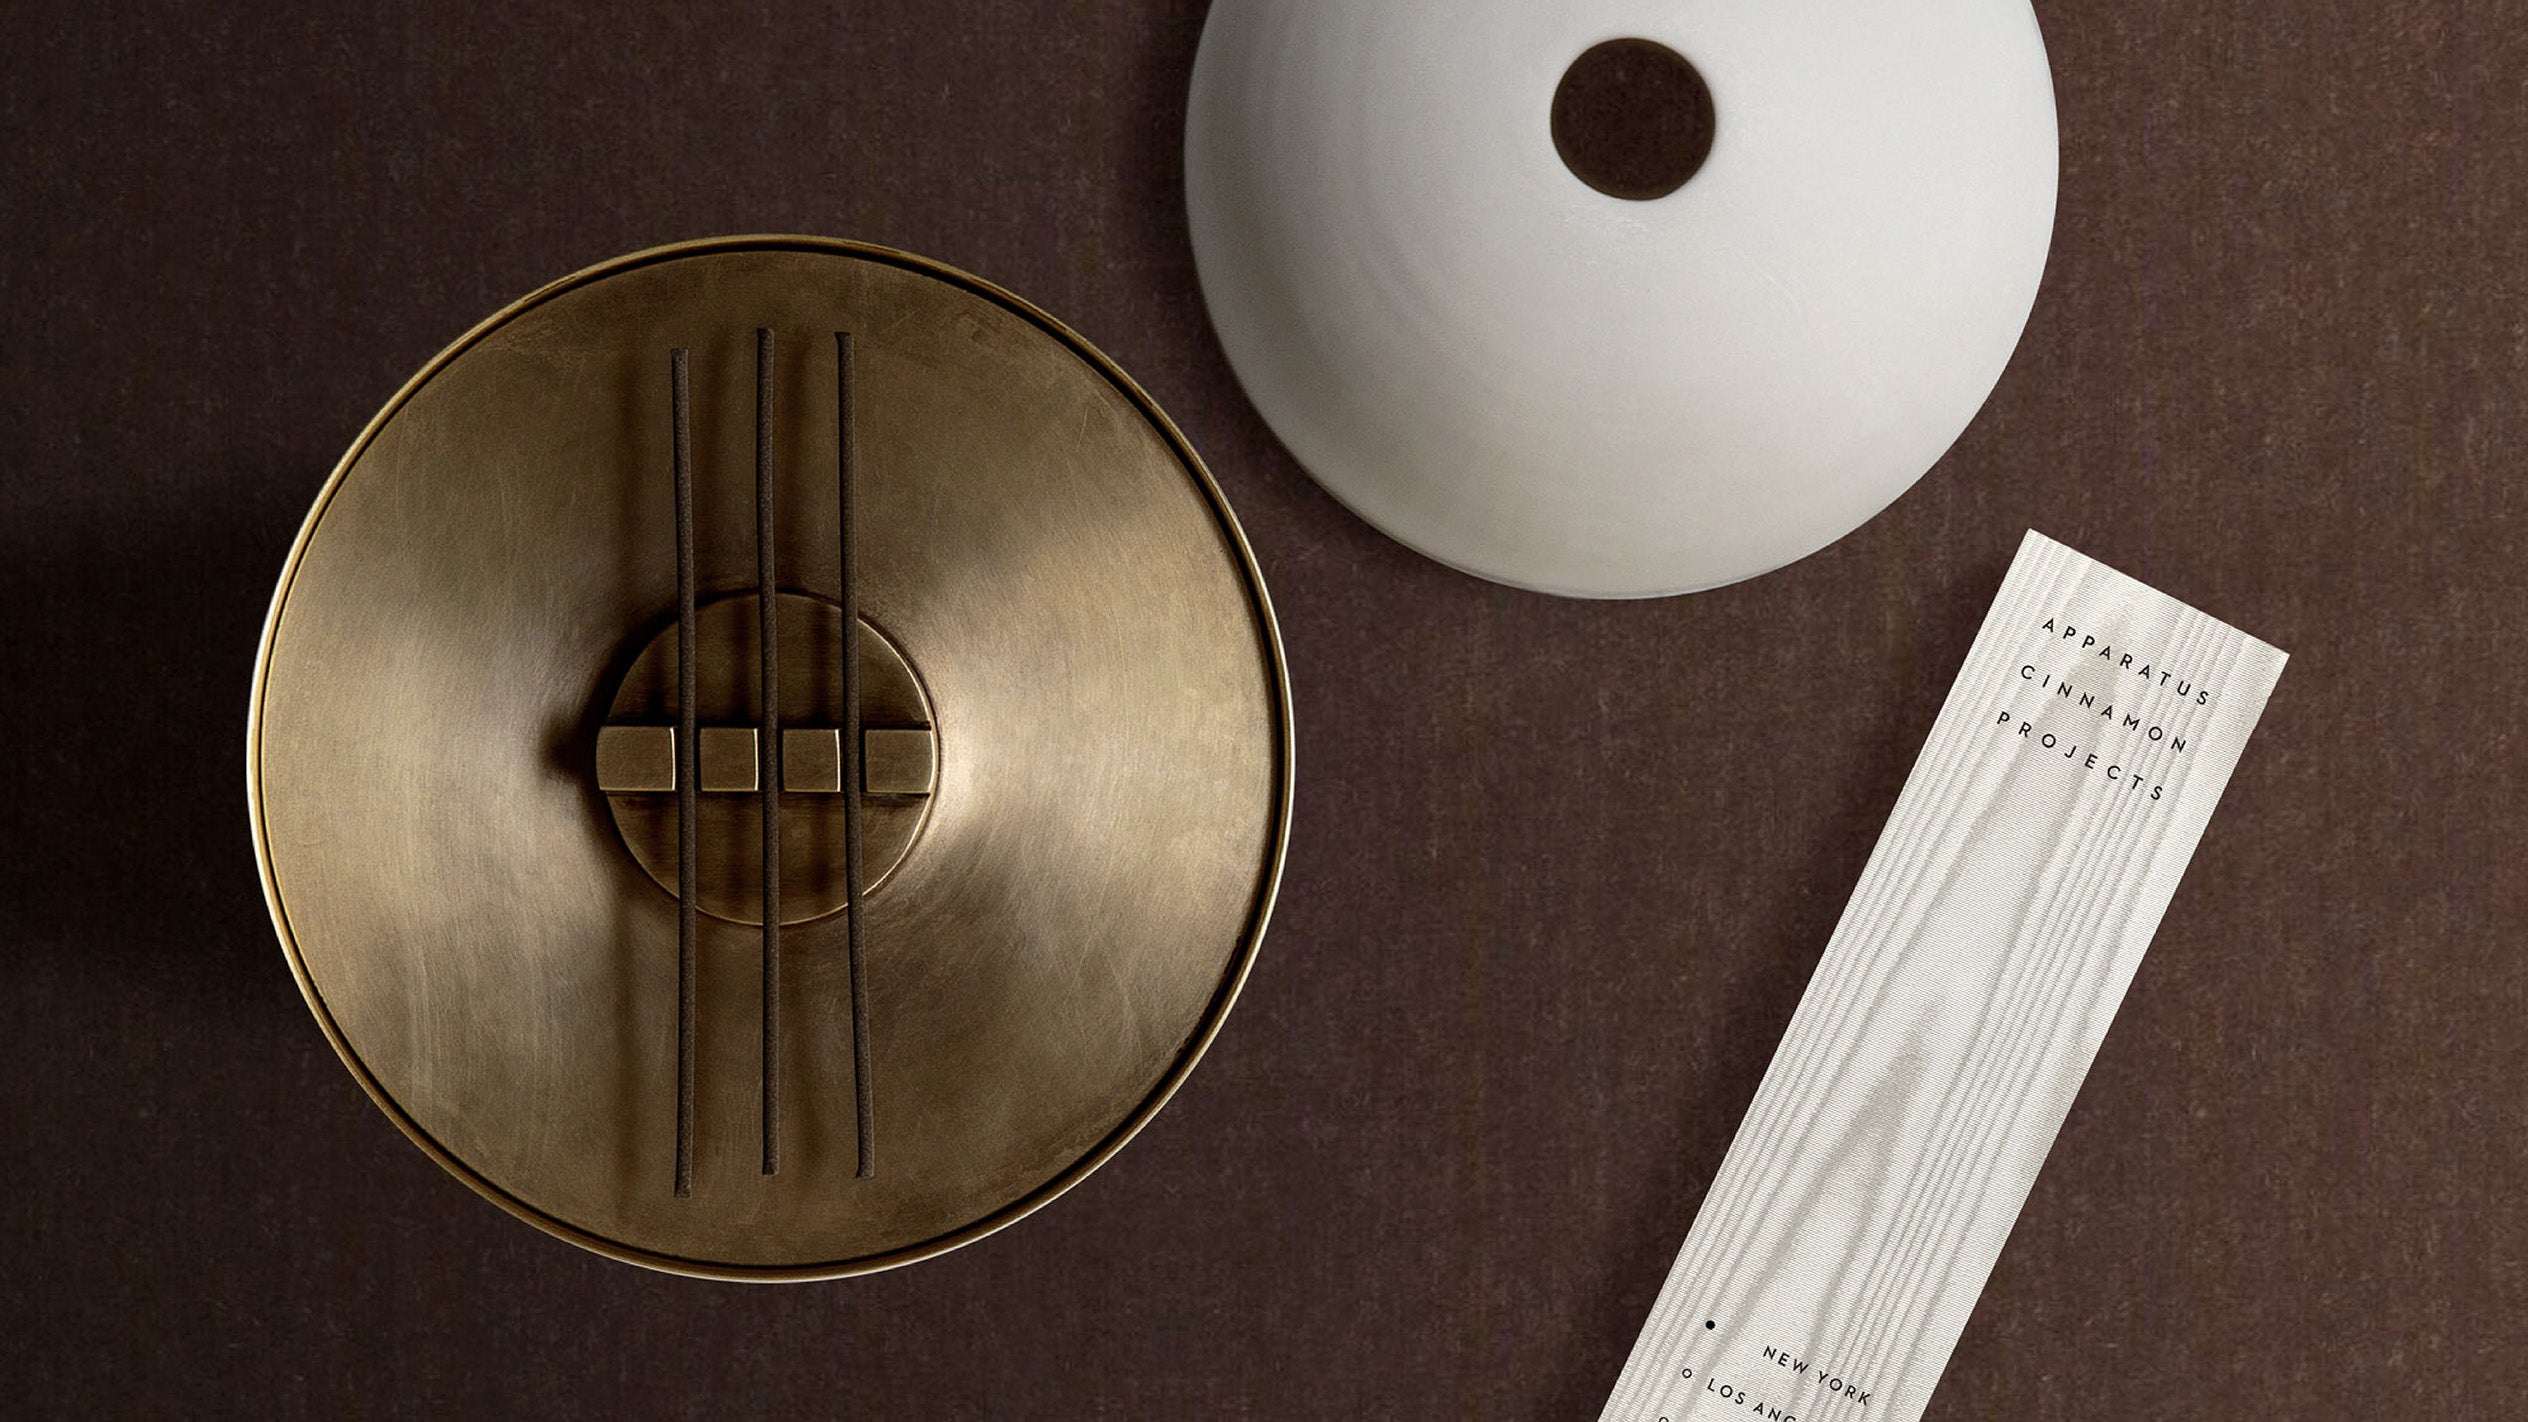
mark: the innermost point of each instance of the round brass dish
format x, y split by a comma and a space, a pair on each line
1051, 940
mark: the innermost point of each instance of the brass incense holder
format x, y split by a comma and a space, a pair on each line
770, 758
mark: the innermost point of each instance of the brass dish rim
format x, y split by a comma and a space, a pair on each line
1215, 1014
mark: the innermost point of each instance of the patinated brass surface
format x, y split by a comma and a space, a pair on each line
1112, 759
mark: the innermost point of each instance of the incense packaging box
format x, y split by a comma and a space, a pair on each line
1957, 1007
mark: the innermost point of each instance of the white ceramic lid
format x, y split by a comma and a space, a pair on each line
1534, 381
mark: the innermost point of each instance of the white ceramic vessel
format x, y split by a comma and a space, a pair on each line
1532, 380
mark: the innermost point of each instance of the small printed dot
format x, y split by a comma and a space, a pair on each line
1707, 1323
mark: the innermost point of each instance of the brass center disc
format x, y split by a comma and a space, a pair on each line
730, 885
479, 926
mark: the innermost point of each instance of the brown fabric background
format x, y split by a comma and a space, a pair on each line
1560, 869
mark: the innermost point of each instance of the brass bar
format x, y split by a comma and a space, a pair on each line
688, 770
893, 760
811, 761
769, 777
898, 761
864, 1109
636, 760
730, 762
